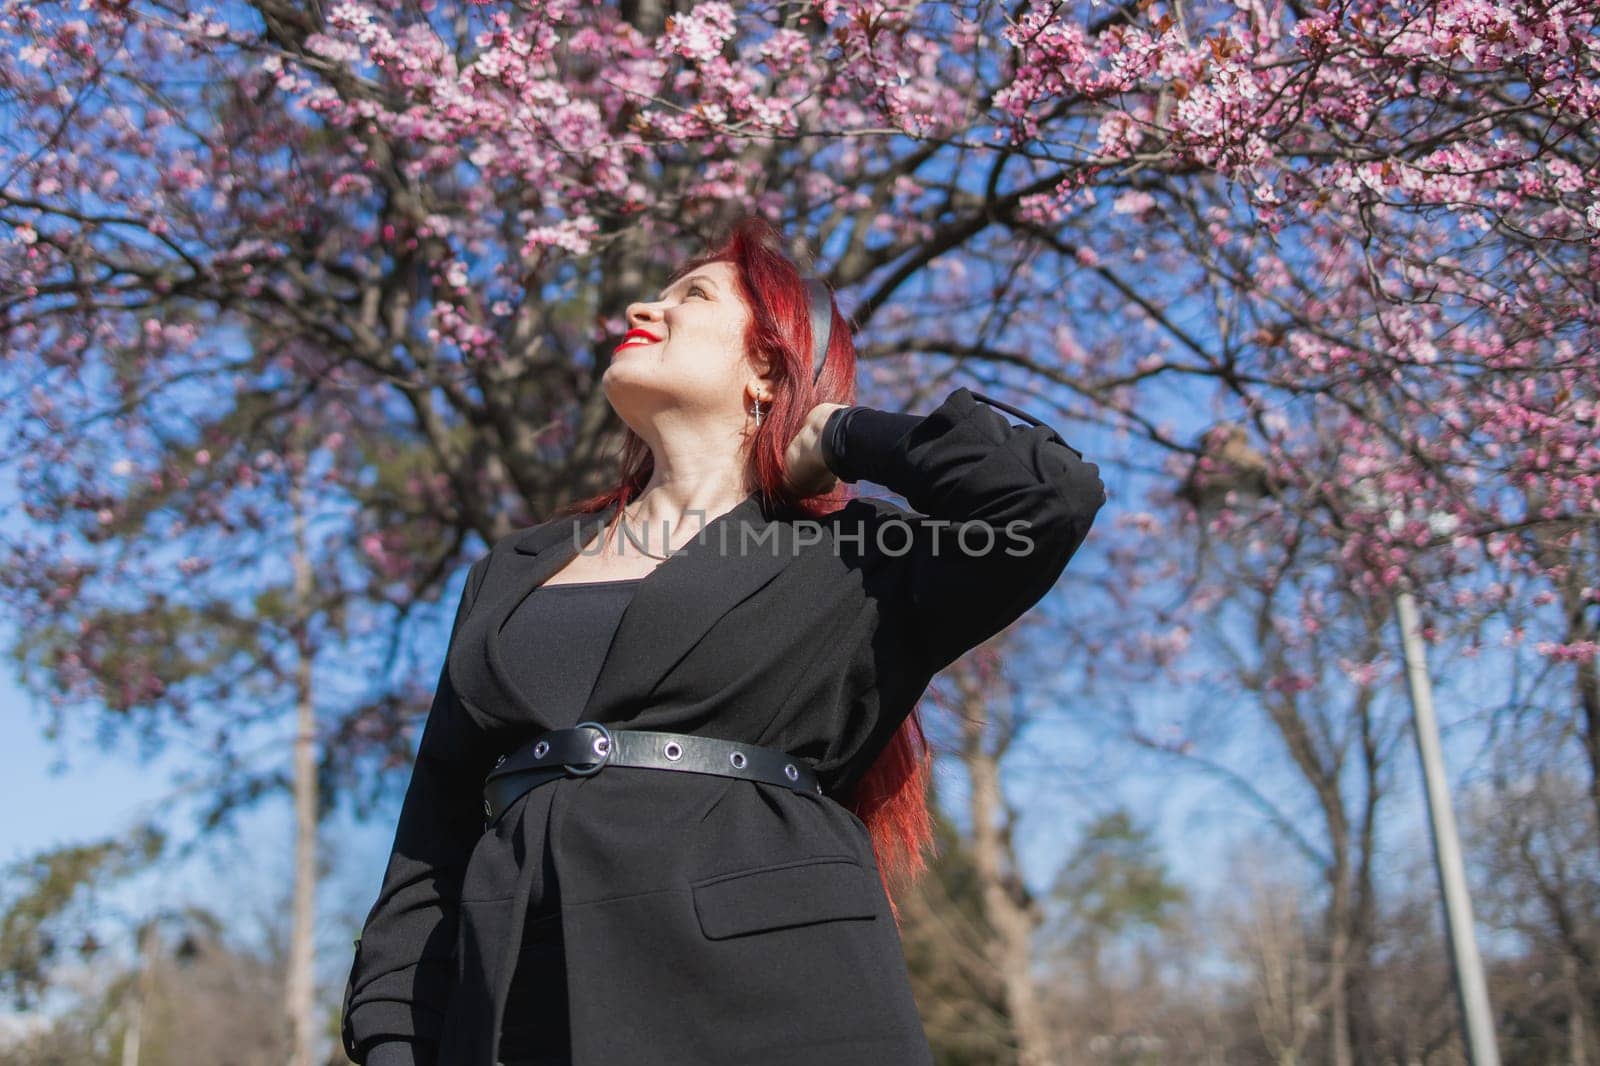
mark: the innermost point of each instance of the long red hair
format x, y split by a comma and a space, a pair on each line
892, 796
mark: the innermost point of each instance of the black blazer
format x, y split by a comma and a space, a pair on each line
710, 920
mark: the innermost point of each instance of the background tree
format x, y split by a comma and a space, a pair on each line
946, 936
186, 996
1115, 903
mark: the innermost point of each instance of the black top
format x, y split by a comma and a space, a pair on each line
560, 634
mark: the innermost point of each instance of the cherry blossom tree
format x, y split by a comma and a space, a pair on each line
1344, 251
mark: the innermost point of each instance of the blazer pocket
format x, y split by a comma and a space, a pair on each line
781, 896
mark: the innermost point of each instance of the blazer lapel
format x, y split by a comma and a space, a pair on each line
672, 607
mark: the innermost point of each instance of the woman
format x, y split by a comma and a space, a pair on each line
584, 906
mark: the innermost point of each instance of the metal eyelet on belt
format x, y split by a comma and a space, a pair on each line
540, 749
790, 772
738, 760
673, 750
602, 747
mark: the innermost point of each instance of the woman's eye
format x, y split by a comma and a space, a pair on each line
694, 289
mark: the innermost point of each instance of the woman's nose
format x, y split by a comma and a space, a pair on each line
639, 314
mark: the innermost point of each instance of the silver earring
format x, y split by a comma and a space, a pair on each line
755, 405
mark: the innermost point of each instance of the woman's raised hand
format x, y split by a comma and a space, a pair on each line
806, 472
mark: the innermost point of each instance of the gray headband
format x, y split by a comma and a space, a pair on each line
821, 324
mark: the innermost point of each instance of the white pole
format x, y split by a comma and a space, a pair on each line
1471, 990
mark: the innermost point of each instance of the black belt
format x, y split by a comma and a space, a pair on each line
594, 746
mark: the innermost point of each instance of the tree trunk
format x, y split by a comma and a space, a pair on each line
300, 991
1012, 918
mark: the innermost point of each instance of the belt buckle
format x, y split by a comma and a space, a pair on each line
605, 753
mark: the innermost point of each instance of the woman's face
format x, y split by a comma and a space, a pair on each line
695, 363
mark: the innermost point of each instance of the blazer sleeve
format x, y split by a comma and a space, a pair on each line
404, 965
395, 1053
965, 465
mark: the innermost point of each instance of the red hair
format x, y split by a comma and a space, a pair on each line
892, 796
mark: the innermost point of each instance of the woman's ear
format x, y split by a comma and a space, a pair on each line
763, 385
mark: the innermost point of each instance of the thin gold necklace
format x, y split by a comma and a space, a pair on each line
642, 551
628, 518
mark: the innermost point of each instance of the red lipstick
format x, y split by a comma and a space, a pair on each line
632, 333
